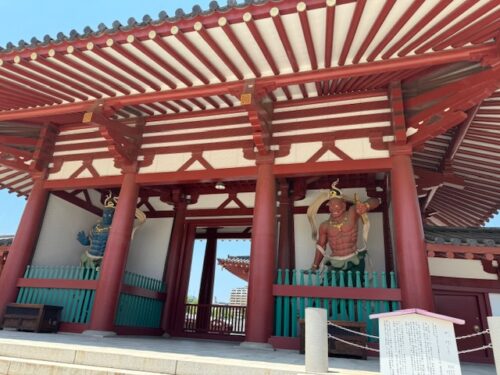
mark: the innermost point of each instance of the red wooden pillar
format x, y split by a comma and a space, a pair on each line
22, 248
259, 320
172, 273
286, 249
411, 257
115, 257
207, 280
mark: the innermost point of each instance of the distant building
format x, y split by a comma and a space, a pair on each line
239, 296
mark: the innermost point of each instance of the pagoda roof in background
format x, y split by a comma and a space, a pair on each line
237, 265
6, 240
462, 236
191, 65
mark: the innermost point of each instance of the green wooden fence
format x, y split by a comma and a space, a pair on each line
137, 311
77, 303
133, 311
289, 310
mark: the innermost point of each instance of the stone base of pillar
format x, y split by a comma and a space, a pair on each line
257, 345
95, 333
166, 335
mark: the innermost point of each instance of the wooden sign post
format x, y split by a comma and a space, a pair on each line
417, 342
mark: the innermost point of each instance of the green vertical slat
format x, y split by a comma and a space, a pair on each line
118, 315
302, 299
335, 305
42, 292
368, 304
23, 291
343, 312
395, 304
88, 298
28, 298
317, 282
143, 302
350, 302
326, 304
309, 301
279, 312
77, 294
78, 315
376, 303
73, 294
375, 285
35, 273
385, 304
61, 295
133, 305
286, 307
294, 306
359, 302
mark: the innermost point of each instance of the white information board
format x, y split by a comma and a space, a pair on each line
417, 345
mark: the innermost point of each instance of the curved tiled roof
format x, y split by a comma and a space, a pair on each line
188, 65
131, 24
6, 240
463, 236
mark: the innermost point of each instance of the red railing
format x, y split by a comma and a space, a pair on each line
219, 319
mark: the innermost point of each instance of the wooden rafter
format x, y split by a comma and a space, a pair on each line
458, 137
17, 141
14, 158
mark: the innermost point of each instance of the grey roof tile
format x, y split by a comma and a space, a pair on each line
197, 10
463, 236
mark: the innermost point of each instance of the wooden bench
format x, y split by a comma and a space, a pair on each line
32, 317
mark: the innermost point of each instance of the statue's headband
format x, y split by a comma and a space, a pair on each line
335, 192
110, 201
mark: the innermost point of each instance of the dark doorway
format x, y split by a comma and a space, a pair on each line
200, 314
472, 308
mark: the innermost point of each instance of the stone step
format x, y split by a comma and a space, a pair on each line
124, 359
21, 357
23, 366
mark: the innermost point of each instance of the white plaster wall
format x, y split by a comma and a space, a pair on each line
149, 246
305, 246
461, 268
495, 304
57, 244
231, 158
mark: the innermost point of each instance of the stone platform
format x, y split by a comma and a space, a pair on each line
24, 353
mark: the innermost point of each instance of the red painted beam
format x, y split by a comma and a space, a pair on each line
56, 283
141, 292
346, 293
84, 183
332, 167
